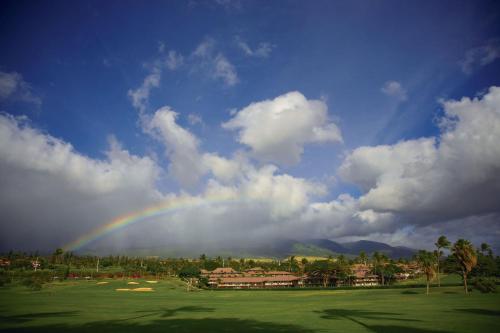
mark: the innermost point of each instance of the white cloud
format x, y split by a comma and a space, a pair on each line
69, 193
203, 57
50, 194
181, 146
194, 119
415, 189
161, 47
263, 50
225, 170
431, 180
225, 70
343, 217
480, 56
13, 86
205, 48
277, 130
25, 147
174, 60
394, 89
215, 64
284, 194
229, 4
140, 96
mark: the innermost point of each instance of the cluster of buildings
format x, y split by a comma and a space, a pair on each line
228, 278
251, 278
4, 262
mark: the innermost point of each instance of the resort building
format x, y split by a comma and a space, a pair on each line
251, 278
362, 276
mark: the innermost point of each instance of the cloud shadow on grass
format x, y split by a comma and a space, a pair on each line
23, 318
207, 325
167, 313
484, 312
356, 316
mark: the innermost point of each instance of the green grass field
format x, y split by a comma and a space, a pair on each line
87, 307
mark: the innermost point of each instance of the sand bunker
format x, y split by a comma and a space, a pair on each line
133, 283
102, 282
135, 289
152, 281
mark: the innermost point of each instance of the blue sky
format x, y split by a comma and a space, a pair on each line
382, 69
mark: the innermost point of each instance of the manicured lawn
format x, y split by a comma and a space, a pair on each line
451, 279
88, 307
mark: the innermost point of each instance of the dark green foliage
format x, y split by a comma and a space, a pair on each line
485, 285
203, 282
4, 278
189, 272
389, 271
34, 283
486, 265
210, 264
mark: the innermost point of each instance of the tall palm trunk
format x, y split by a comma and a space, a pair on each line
465, 281
439, 279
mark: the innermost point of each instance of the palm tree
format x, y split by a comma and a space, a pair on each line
57, 255
427, 262
442, 243
466, 257
486, 249
379, 261
291, 262
362, 257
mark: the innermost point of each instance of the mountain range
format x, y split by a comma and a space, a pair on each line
280, 248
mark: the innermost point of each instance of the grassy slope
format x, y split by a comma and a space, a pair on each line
87, 307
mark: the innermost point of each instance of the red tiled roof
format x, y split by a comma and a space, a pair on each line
224, 270
279, 273
259, 279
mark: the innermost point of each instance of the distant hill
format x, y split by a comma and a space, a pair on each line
326, 247
280, 248
369, 247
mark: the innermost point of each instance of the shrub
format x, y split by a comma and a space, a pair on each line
4, 279
189, 272
485, 285
33, 283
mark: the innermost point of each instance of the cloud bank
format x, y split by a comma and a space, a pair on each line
414, 189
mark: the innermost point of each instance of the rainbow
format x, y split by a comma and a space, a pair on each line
171, 206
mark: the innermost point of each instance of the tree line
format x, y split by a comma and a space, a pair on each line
463, 258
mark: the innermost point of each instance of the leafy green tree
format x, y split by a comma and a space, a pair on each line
466, 257
427, 262
389, 271
362, 258
442, 243
322, 269
293, 265
210, 265
486, 250
486, 266
189, 272
57, 255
